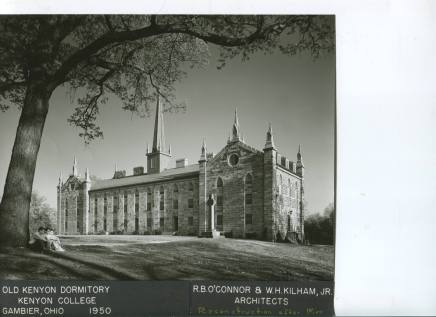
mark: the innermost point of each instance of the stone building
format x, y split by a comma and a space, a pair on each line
240, 192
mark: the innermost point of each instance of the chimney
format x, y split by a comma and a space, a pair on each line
181, 162
139, 170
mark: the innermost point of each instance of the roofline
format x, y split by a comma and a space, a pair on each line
183, 176
288, 171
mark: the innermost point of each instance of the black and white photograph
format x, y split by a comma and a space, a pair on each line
217, 158
167, 147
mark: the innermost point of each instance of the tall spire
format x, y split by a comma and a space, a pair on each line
269, 138
300, 165
159, 136
60, 179
75, 170
235, 129
299, 159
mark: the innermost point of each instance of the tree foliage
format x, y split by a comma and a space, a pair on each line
133, 56
320, 228
41, 214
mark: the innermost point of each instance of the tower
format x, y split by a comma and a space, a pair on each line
86, 188
300, 172
269, 163
202, 190
158, 159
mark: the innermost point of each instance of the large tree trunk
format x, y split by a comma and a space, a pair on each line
15, 204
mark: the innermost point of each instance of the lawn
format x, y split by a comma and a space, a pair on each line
170, 258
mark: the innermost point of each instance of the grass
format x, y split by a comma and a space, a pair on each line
170, 258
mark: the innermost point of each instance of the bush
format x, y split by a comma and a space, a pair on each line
251, 235
319, 229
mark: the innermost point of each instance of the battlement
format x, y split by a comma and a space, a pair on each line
283, 162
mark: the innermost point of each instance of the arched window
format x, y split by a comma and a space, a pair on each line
176, 189
219, 204
219, 183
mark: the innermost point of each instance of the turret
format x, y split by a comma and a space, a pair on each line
300, 165
269, 144
235, 129
85, 215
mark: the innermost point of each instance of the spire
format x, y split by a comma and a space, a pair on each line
87, 178
116, 168
300, 165
169, 149
75, 170
60, 179
269, 138
235, 129
299, 158
159, 136
147, 149
203, 151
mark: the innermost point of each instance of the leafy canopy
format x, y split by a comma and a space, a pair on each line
136, 57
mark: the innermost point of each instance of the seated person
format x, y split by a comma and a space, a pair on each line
53, 240
38, 242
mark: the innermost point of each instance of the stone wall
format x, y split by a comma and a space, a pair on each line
234, 208
128, 224
287, 203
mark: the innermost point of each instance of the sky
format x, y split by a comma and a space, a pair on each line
296, 94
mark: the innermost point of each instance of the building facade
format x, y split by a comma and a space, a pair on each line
254, 193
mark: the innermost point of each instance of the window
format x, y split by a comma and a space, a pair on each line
248, 199
152, 163
161, 199
219, 192
66, 215
190, 221
191, 187
105, 213
149, 200
95, 214
233, 160
176, 223
175, 204
149, 222
162, 222
248, 219
125, 211
248, 189
219, 201
190, 203
136, 211
290, 187
219, 220
176, 189
72, 186
115, 215
219, 183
